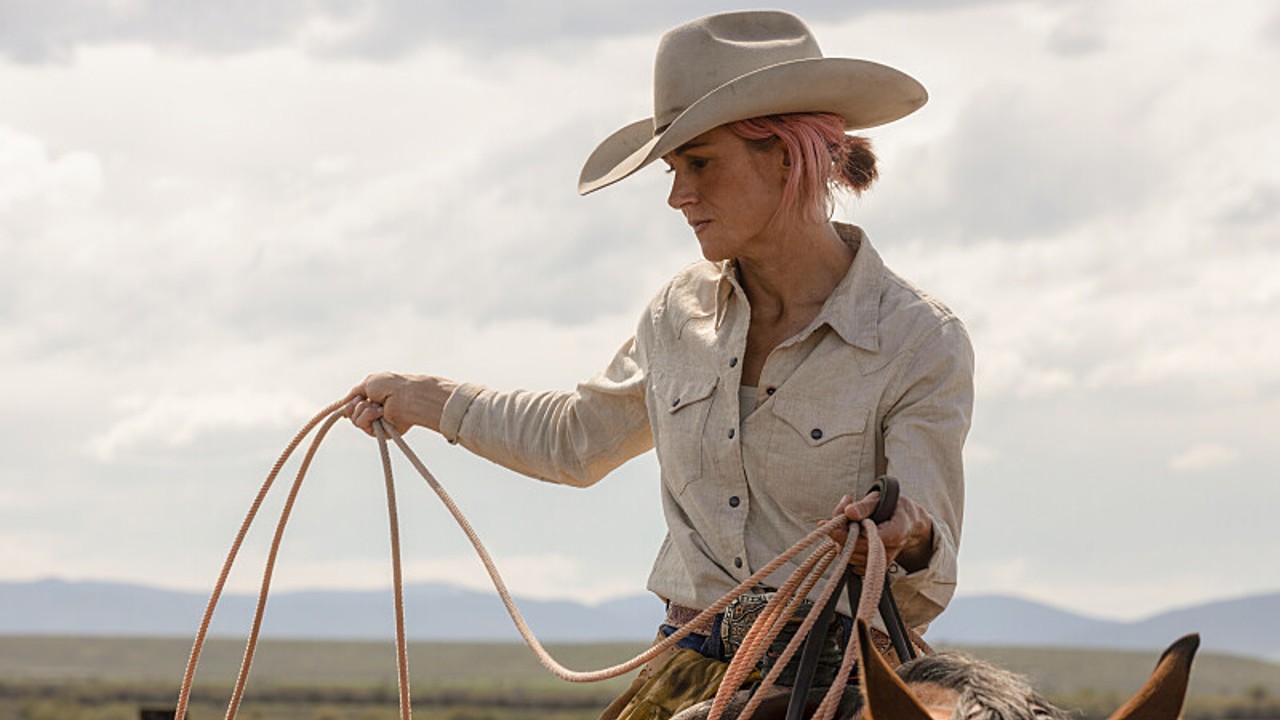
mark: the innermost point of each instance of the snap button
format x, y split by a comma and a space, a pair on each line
770, 390
816, 433
734, 501
731, 433
737, 562
733, 362
675, 402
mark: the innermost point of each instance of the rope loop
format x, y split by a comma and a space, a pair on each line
824, 552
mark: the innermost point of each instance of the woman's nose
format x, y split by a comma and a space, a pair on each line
681, 191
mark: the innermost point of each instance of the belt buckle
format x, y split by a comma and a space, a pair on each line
742, 613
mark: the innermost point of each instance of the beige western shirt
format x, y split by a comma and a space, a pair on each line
880, 382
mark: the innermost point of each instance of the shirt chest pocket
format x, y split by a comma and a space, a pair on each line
683, 405
816, 450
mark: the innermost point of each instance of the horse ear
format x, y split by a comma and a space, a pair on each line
887, 698
1161, 698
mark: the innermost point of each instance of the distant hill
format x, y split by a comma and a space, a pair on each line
1245, 626
433, 611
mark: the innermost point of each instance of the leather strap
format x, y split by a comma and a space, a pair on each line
852, 583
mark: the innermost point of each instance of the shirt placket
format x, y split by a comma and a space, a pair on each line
779, 366
726, 434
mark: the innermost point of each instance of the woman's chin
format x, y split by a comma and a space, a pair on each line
713, 252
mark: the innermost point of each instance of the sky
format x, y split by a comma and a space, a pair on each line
216, 218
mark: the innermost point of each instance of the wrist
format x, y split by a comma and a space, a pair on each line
427, 399
915, 556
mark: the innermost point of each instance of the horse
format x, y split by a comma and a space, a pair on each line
953, 685
956, 686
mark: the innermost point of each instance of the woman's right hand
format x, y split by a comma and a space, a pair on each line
907, 535
401, 400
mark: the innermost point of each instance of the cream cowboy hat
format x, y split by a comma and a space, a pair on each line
740, 65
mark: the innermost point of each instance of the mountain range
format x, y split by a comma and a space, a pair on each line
1246, 626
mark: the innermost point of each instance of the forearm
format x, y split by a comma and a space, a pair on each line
572, 438
424, 405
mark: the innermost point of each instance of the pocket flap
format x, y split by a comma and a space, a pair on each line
678, 393
818, 421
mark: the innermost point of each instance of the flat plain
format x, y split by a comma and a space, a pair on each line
100, 678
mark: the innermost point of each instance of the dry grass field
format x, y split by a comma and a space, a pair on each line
57, 678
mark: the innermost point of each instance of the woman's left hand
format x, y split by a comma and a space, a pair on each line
907, 535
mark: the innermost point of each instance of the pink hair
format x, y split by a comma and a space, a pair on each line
822, 157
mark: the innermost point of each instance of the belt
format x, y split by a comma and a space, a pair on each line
680, 615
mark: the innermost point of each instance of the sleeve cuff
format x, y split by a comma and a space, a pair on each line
455, 409
923, 594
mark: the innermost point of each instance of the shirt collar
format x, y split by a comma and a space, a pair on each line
726, 286
852, 311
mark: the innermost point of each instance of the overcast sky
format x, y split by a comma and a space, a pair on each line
216, 218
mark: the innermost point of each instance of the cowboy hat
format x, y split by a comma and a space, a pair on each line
740, 65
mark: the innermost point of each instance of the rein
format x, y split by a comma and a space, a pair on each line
825, 552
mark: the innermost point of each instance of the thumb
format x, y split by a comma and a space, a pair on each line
863, 508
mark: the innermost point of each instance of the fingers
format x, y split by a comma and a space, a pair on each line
893, 533
859, 557
844, 503
863, 508
908, 536
363, 412
908, 529
366, 401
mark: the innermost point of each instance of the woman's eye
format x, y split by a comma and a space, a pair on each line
691, 163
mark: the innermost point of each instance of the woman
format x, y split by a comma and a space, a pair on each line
777, 378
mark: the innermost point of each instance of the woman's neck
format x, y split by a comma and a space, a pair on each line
796, 273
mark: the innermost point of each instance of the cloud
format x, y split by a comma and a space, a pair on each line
1024, 163
28, 173
1203, 456
383, 30
205, 240
177, 421
1081, 31
1261, 205
1271, 30
51, 31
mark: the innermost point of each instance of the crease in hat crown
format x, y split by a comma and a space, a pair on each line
734, 66
724, 47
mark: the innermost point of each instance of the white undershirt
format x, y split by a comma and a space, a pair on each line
746, 401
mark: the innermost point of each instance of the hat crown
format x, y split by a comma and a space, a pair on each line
702, 55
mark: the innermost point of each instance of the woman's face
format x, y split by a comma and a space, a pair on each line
729, 192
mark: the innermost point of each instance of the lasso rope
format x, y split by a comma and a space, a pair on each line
765, 629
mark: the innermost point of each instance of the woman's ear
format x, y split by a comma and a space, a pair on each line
783, 163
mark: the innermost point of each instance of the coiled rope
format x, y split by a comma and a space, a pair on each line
786, 601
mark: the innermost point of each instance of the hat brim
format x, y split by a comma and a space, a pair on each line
864, 93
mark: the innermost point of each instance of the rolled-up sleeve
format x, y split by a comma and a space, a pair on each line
924, 434
568, 437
